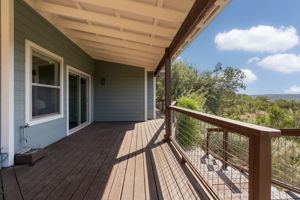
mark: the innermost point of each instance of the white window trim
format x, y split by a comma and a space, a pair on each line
29, 46
89, 78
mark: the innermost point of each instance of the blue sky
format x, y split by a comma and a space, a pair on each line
268, 31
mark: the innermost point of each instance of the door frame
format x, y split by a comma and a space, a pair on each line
89, 90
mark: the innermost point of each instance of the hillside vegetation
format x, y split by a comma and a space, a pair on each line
216, 92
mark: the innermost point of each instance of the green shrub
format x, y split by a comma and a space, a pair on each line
189, 103
187, 127
276, 116
261, 120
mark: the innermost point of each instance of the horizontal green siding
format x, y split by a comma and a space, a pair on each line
122, 96
30, 25
120, 99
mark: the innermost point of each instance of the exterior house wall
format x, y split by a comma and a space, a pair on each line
30, 25
150, 95
121, 98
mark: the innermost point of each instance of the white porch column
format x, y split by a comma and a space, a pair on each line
7, 80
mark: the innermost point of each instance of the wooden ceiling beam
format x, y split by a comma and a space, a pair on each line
100, 50
196, 14
140, 9
122, 61
115, 42
117, 49
104, 19
121, 56
111, 32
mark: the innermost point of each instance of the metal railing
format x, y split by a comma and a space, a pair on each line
235, 160
161, 105
286, 163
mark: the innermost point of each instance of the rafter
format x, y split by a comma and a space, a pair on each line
159, 4
120, 56
122, 61
104, 19
115, 42
199, 10
118, 52
118, 49
110, 32
140, 9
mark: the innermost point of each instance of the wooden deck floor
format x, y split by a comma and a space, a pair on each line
105, 161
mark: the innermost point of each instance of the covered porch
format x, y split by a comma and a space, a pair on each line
113, 50
109, 160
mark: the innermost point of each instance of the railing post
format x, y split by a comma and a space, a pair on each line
260, 167
207, 142
168, 83
225, 149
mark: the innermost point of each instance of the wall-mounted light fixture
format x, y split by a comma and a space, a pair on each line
102, 81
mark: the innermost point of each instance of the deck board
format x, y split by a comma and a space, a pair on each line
128, 186
118, 160
139, 181
1, 190
115, 190
161, 179
10, 185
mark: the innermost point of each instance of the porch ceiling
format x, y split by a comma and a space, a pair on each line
133, 32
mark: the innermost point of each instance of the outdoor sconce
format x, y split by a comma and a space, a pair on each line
102, 81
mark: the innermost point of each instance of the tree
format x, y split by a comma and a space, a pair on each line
160, 87
276, 116
184, 79
219, 87
262, 103
214, 90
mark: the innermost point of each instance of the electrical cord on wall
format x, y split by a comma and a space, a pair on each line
24, 139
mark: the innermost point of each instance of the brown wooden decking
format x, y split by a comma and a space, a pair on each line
106, 161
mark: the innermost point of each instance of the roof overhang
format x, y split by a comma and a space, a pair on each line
132, 32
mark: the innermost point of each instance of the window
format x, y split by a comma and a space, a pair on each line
44, 95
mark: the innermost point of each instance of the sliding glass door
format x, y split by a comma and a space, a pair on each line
78, 100
83, 100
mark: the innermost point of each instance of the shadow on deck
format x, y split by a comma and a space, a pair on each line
122, 160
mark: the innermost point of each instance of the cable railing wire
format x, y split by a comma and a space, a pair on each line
222, 157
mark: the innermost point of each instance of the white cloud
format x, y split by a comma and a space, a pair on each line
252, 60
285, 63
258, 39
179, 58
249, 76
294, 89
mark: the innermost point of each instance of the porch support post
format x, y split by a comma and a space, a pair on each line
154, 97
7, 81
146, 95
168, 83
260, 167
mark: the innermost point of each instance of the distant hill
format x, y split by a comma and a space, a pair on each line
273, 97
